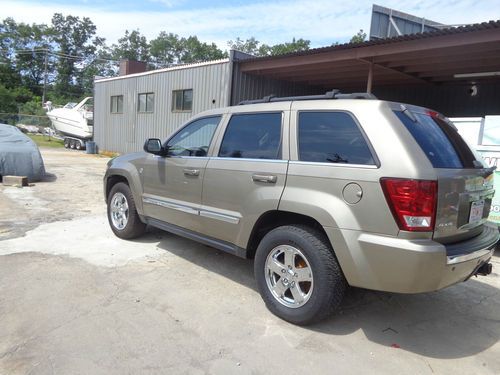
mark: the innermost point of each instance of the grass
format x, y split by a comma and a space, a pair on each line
45, 141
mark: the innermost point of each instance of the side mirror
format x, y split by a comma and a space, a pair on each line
154, 146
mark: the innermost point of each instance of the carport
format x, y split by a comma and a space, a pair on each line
454, 70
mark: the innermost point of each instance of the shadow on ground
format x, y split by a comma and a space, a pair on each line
48, 177
456, 322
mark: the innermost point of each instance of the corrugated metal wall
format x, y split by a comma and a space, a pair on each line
126, 132
248, 87
451, 100
381, 26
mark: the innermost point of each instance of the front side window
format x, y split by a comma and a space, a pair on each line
117, 104
253, 136
146, 102
182, 100
332, 137
194, 139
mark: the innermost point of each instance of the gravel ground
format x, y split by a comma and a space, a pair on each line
74, 299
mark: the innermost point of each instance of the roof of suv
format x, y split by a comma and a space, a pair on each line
334, 94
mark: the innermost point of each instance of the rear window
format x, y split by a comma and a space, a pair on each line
440, 141
332, 137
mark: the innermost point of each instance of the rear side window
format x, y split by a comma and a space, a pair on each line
440, 142
332, 137
253, 136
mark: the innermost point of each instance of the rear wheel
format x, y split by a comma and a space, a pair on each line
72, 144
122, 214
298, 275
78, 145
66, 143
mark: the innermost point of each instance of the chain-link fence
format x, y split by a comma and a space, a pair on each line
28, 123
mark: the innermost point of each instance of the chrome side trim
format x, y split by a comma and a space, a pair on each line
173, 206
221, 217
343, 165
191, 210
252, 160
466, 257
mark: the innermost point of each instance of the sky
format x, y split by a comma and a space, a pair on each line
323, 22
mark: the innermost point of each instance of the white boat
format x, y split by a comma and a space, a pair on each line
74, 119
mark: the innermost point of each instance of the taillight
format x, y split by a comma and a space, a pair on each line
413, 202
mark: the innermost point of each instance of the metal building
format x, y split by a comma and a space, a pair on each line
453, 70
388, 23
131, 108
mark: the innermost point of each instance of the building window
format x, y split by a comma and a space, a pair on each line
117, 104
182, 100
146, 102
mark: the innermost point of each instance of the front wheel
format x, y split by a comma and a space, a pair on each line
122, 214
298, 275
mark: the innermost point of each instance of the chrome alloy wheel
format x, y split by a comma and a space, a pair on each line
119, 211
289, 276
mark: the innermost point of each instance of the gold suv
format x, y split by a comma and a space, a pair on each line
323, 192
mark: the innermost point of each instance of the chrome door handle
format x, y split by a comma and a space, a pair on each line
191, 172
271, 179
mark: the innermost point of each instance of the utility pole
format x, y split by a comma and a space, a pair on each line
45, 77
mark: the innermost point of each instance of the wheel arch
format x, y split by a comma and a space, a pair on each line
114, 176
276, 218
111, 181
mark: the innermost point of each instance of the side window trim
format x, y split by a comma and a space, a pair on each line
282, 155
212, 140
374, 155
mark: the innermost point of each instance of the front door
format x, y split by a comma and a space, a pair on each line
173, 184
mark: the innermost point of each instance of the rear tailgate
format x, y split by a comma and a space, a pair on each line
464, 201
465, 184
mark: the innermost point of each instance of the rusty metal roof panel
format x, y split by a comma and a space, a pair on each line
403, 38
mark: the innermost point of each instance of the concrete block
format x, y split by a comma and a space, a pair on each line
15, 180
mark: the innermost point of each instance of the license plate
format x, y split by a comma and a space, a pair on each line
476, 211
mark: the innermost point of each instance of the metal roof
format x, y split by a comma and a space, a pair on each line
434, 57
163, 70
397, 39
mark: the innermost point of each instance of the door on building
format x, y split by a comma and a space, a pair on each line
172, 185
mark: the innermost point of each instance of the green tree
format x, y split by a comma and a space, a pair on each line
283, 48
102, 64
132, 46
76, 43
360, 37
256, 48
11, 99
24, 48
166, 49
250, 46
195, 51
169, 49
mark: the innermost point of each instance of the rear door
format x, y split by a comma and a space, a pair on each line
465, 184
247, 176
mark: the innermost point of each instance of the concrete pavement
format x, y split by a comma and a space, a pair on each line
74, 299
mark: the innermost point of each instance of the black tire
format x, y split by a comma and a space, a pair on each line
329, 284
66, 143
134, 226
78, 145
72, 144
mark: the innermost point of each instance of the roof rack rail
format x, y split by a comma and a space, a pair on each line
334, 94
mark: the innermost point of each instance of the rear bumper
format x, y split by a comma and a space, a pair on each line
397, 265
